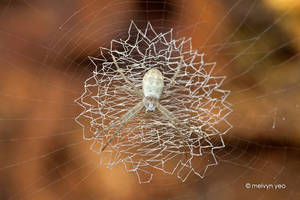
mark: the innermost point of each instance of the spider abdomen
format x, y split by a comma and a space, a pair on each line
153, 83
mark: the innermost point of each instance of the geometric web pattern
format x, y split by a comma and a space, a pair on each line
150, 142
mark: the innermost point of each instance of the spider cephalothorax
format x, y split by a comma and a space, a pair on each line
150, 103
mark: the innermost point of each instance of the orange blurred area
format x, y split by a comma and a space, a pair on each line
291, 23
44, 62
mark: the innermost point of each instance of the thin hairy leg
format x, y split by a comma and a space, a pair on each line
126, 115
138, 92
172, 116
124, 87
165, 113
125, 118
179, 89
175, 75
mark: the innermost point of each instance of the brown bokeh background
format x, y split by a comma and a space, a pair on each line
43, 64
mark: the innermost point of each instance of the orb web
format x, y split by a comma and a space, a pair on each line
150, 142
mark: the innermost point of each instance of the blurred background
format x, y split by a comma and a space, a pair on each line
44, 62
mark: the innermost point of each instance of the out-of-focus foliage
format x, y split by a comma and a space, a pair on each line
292, 22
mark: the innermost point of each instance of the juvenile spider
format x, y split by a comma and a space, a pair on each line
152, 91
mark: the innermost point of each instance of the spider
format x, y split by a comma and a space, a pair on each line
152, 91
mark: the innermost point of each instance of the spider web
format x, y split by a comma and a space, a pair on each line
153, 142
44, 65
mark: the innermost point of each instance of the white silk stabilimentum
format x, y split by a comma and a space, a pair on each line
171, 119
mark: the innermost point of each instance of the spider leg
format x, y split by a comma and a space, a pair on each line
166, 94
126, 115
173, 120
172, 116
138, 92
175, 75
169, 116
124, 87
124, 119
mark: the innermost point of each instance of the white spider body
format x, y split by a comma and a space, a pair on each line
153, 84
